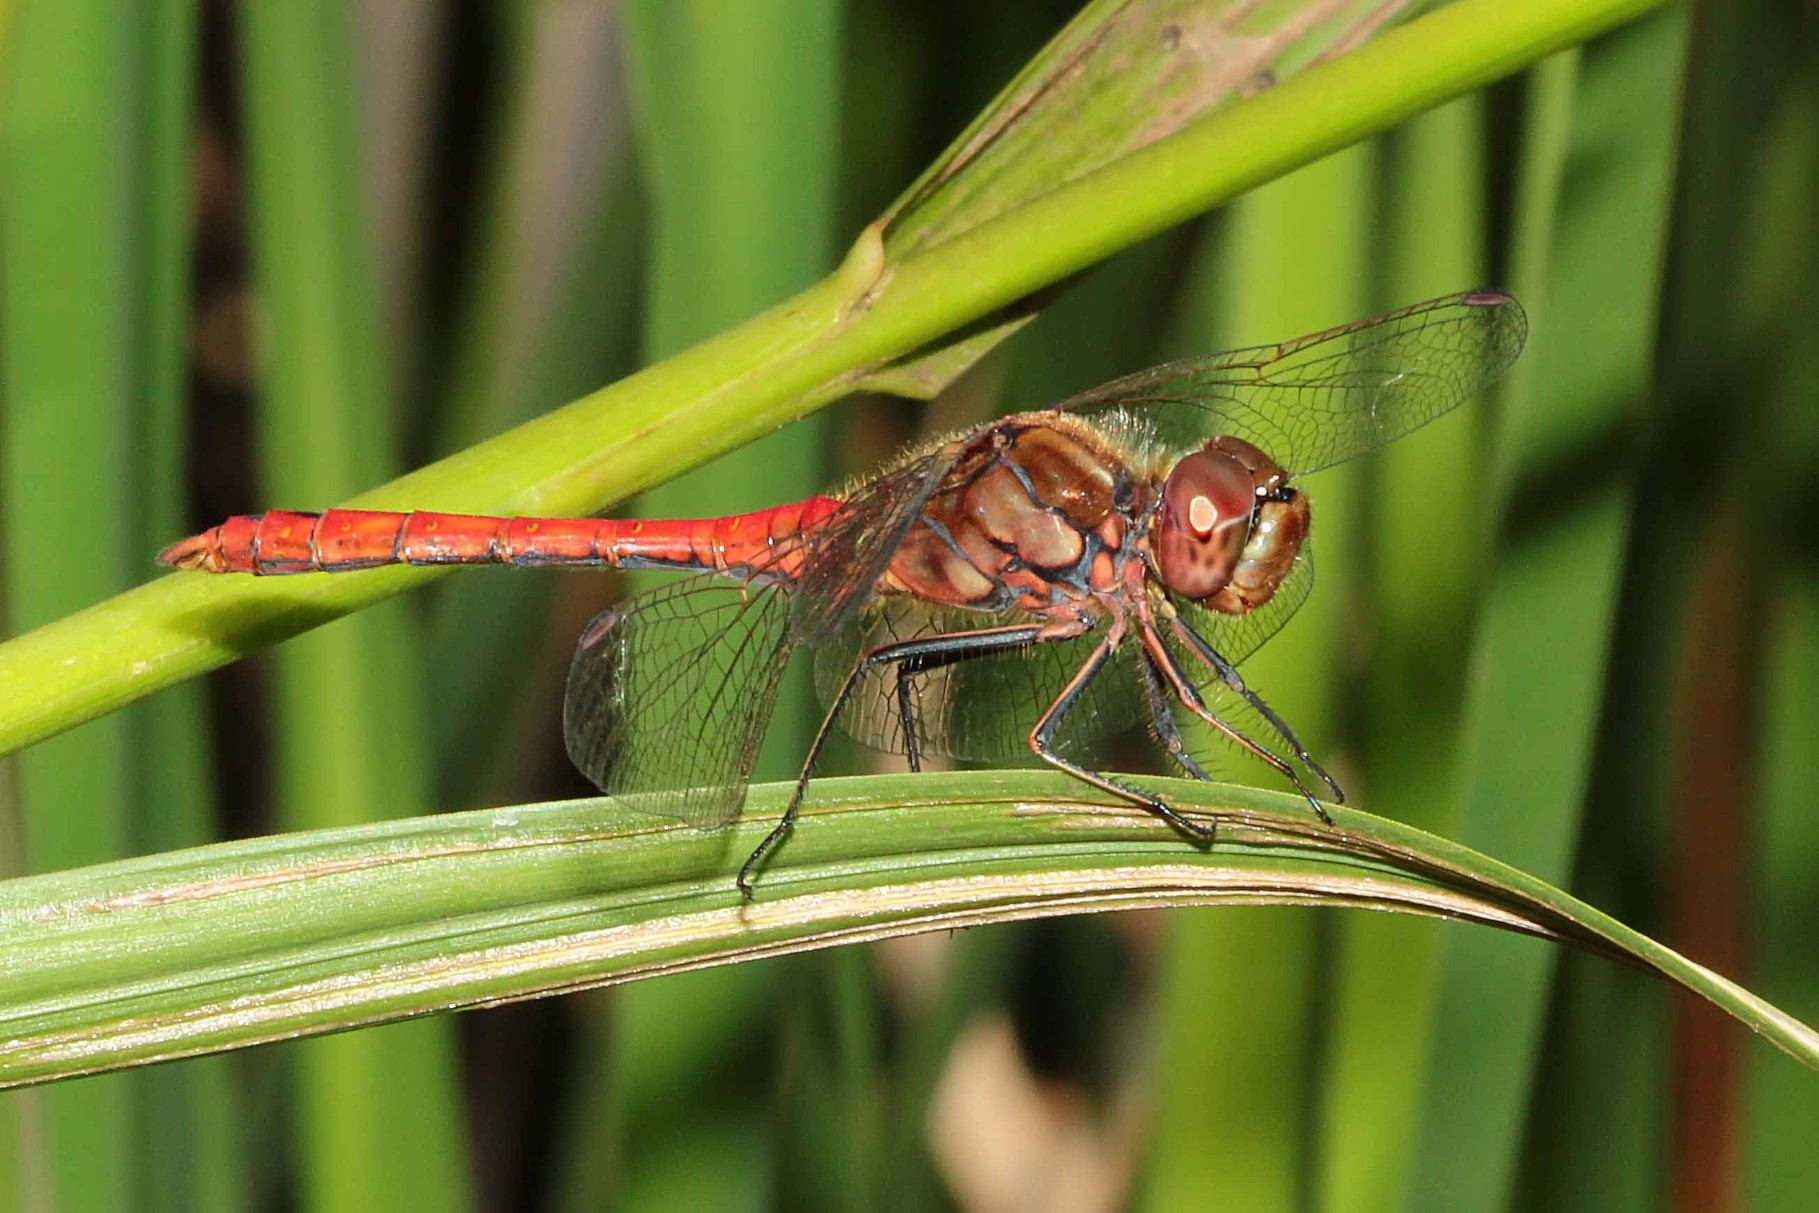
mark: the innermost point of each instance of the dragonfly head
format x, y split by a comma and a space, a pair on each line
1228, 527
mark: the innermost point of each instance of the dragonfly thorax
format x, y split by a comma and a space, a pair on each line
1031, 516
1227, 528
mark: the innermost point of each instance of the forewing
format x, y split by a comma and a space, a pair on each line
670, 691
1327, 397
848, 553
669, 694
981, 709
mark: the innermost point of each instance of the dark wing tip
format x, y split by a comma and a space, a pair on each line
1511, 320
1511, 317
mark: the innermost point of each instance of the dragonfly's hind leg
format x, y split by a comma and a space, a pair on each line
911, 655
1042, 737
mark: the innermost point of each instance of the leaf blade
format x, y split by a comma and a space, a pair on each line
243, 942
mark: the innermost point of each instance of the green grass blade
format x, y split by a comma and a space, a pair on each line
72, 270
377, 1119
250, 941
1778, 1168
776, 367
1592, 215
828, 1155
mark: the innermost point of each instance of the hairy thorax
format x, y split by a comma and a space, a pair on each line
1035, 514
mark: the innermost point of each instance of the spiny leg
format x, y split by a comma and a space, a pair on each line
1041, 741
1168, 733
906, 715
1229, 675
919, 654
920, 663
1190, 698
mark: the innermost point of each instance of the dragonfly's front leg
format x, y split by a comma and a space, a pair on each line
1232, 679
915, 655
1191, 700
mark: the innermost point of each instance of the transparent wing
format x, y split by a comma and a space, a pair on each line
1238, 636
670, 691
849, 552
981, 709
1325, 398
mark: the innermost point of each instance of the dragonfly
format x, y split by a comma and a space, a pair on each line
1034, 584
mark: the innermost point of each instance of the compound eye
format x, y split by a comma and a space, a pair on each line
1205, 518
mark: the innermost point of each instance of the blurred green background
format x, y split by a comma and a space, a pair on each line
269, 254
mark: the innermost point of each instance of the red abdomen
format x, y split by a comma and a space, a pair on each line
761, 543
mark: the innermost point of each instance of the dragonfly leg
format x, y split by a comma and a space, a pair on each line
1041, 741
914, 655
1230, 676
1168, 733
1191, 699
920, 662
906, 716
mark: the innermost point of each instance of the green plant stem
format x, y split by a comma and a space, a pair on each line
795, 357
78, 258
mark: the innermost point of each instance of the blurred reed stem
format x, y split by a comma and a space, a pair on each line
378, 1123
1419, 536
1593, 196
192, 1133
84, 124
549, 307
735, 113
